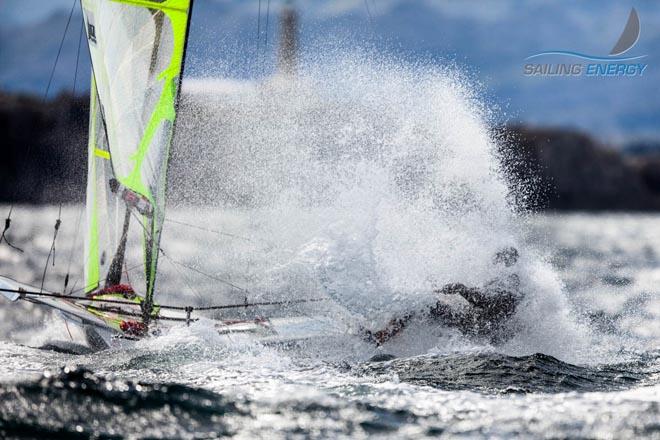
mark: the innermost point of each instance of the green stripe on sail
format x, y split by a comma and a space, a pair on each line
92, 267
102, 154
177, 12
164, 111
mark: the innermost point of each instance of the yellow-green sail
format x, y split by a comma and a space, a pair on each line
137, 50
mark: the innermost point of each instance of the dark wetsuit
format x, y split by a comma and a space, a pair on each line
488, 310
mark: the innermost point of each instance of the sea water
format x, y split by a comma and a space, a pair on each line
368, 183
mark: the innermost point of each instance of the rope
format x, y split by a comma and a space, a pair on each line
3, 237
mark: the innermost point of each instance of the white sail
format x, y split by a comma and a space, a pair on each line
137, 50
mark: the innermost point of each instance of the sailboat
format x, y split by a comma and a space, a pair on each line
137, 50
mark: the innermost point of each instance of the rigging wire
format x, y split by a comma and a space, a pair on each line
29, 148
174, 262
201, 228
75, 242
264, 52
184, 278
256, 58
259, 24
128, 278
94, 285
75, 75
171, 260
212, 277
267, 19
160, 249
58, 223
59, 51
23, 293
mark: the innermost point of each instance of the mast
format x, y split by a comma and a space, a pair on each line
288, 49
137, 48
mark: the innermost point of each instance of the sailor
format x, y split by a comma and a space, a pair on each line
486, 313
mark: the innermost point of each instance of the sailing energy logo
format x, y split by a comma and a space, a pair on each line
612, 65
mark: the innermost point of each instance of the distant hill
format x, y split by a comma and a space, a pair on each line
45, 145
44, 153
568, 170
489, 40
642, 148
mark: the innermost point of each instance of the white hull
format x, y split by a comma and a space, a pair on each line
87, 328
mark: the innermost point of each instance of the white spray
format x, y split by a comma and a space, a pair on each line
372, 181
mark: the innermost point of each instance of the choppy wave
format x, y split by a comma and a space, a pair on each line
76, 403
498, 373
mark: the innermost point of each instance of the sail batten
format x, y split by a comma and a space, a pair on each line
137, 49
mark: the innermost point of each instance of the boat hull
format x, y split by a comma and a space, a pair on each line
90, 328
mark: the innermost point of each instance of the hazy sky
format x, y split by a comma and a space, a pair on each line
25, 11
489, 39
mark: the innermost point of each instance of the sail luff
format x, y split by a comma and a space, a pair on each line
99, 237
92, 269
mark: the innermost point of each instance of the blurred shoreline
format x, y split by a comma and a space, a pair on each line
549, 169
